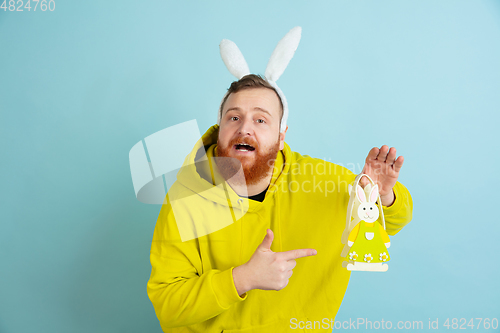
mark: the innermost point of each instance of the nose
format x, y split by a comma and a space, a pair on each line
246, 126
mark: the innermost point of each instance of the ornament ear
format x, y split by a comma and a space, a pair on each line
233, 59
282, 54
360, 193
374, 194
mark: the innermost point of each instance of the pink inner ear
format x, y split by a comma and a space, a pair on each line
374, 194
361, 194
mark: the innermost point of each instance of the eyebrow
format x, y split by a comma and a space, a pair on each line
256, 108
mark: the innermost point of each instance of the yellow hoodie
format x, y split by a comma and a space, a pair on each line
191, 284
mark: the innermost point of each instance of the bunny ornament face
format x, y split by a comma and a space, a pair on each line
367, 210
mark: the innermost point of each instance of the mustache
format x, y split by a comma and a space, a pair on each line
244, 140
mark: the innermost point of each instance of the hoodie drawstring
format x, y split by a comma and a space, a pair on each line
278, 212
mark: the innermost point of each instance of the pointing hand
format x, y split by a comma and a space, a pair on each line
267, 270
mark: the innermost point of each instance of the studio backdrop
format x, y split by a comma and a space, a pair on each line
82, 82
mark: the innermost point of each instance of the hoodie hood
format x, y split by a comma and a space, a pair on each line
199, 174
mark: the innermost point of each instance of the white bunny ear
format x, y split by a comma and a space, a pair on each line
233, 59
282, 54
360, 193
374, 194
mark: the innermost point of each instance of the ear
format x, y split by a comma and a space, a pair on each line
374, 194
282, 138
233, 59
282, 54
360, 193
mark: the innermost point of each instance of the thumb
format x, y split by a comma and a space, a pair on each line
363, 181
268, 240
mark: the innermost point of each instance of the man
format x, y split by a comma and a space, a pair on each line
238, 276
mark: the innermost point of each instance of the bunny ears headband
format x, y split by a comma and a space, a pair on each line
282, 54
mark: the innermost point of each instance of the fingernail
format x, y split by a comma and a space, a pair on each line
315, 252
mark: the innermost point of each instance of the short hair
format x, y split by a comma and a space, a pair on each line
250, 81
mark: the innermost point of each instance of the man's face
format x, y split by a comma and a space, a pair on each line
249, 131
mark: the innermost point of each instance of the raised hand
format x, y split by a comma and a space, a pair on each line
383, 167
267, 270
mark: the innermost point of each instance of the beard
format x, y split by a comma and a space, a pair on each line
255, 168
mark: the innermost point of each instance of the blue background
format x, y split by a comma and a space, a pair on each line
81, 85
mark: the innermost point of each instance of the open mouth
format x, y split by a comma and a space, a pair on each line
244, 147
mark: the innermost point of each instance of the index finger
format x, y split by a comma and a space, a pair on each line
300, 253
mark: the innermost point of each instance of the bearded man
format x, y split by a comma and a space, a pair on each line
237, 276
248, 134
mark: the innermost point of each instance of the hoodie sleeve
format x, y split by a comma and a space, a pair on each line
181, 292
400, 212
